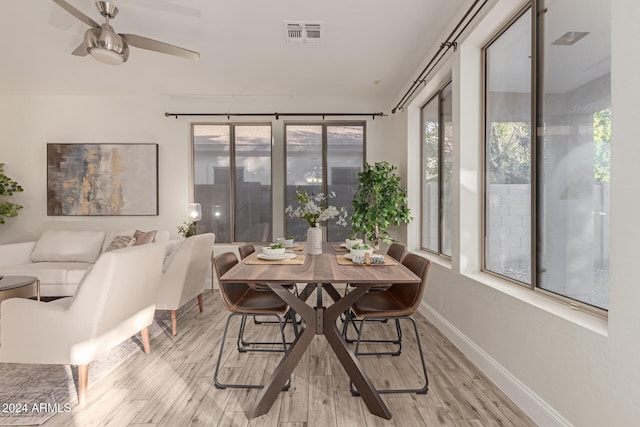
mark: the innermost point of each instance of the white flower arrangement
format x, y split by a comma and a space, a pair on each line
314, 209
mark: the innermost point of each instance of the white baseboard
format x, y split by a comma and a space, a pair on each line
536, 408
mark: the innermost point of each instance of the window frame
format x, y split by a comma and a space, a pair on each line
537, 99
438, 95
232, 170
324, 124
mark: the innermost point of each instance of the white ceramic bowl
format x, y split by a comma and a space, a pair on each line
350, 242
272, 251
286, 242
360, 252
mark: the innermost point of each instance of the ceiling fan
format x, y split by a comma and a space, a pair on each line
107, 46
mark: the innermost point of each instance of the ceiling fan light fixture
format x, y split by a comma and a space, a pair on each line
106, 46
106, 56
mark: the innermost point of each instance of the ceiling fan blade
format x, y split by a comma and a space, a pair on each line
81, 50
158, 46
77, 13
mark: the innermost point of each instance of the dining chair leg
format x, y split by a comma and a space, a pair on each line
200, 303
349, 319
421, 390
353, 321
244, 345
222, 385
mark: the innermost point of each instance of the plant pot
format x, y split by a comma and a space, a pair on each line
350, 242
314, 241
273, 251
286, 242
360, 252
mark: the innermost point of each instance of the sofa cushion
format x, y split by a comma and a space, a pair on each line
66, 245
120, 242
51, 272
162, 236
144, 237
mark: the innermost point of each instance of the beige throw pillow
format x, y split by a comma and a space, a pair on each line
144, 237
120, 242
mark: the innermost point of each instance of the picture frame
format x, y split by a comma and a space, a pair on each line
102, 179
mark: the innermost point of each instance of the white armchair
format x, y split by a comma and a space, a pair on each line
115, 300
185, 275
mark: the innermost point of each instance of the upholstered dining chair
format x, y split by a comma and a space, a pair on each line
115, 300
244, 251
399, 301
395, 251
184, 275
242, 300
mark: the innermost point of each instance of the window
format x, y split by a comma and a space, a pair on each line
323, 158
437, 180
566, 172
232, 180
508, 152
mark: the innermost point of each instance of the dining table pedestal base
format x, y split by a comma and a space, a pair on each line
319, 320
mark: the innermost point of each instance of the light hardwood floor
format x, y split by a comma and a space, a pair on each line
173, 386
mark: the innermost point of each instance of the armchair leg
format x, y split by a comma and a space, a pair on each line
83, 379
145, 340
200, 305
174, 322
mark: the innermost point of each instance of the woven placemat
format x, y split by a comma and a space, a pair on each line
346, 261
254, 260
339, 248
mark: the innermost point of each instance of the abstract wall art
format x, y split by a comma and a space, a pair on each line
102, 179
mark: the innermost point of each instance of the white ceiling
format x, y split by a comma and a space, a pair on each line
369, 48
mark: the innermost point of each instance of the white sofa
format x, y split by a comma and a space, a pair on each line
60, 258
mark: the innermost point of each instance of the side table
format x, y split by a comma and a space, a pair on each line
19, 287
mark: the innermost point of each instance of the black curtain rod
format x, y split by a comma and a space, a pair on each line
276, 115
450, 42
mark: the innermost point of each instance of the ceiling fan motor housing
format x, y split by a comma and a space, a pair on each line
105, 45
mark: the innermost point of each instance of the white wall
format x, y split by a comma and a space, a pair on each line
561, 366
28, 123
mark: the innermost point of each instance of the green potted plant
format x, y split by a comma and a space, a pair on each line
187, 229
7, 188
379, 202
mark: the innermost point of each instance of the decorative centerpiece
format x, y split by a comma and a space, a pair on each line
352, 240
274, 249
360, 249
314, 209
286, 241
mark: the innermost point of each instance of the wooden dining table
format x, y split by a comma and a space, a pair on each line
319, 272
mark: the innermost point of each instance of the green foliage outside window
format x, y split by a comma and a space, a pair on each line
602, 145
510, 156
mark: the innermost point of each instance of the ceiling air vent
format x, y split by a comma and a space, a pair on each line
312, 31
303, 32
569, 38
